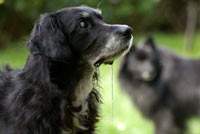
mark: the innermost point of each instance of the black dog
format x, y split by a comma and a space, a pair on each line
164, 86
54, 93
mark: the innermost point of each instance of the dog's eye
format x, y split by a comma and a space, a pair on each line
84, 24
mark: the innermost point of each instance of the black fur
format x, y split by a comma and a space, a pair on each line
55, 92
171, 96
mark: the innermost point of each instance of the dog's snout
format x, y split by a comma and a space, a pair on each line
124, 30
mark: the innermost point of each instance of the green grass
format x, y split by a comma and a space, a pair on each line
15, 55
118, 114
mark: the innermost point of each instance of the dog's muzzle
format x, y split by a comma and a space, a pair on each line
123, 31
119, 41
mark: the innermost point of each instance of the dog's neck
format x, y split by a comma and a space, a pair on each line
75, 78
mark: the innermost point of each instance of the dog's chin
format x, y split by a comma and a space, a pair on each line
104, 61
109, 59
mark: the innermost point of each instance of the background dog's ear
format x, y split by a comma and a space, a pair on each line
48, 39
150, 42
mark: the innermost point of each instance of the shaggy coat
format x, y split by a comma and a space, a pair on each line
55, 91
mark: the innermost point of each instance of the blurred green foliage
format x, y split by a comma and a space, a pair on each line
17, 16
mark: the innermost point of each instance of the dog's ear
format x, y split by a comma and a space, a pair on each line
48, 39
40, 74
150, 42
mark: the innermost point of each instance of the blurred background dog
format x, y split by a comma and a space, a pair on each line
165, 87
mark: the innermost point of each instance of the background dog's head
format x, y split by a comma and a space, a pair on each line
79, 32
143, 61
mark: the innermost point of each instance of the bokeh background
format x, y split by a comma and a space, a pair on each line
174, 24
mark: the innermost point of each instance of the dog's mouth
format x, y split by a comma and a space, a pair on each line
109, 58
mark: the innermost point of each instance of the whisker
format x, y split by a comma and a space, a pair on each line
112, 91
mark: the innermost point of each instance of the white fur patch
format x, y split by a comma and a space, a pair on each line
129, 47
146, 76
99, 11
85, 14
113, 43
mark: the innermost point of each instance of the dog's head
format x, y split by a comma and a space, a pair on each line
143, 61
79, 32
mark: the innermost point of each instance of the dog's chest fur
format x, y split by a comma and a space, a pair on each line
54, 110
83, 101
78, 120
83, 120
83, 87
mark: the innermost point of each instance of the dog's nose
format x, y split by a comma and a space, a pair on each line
124, 30
127, 31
